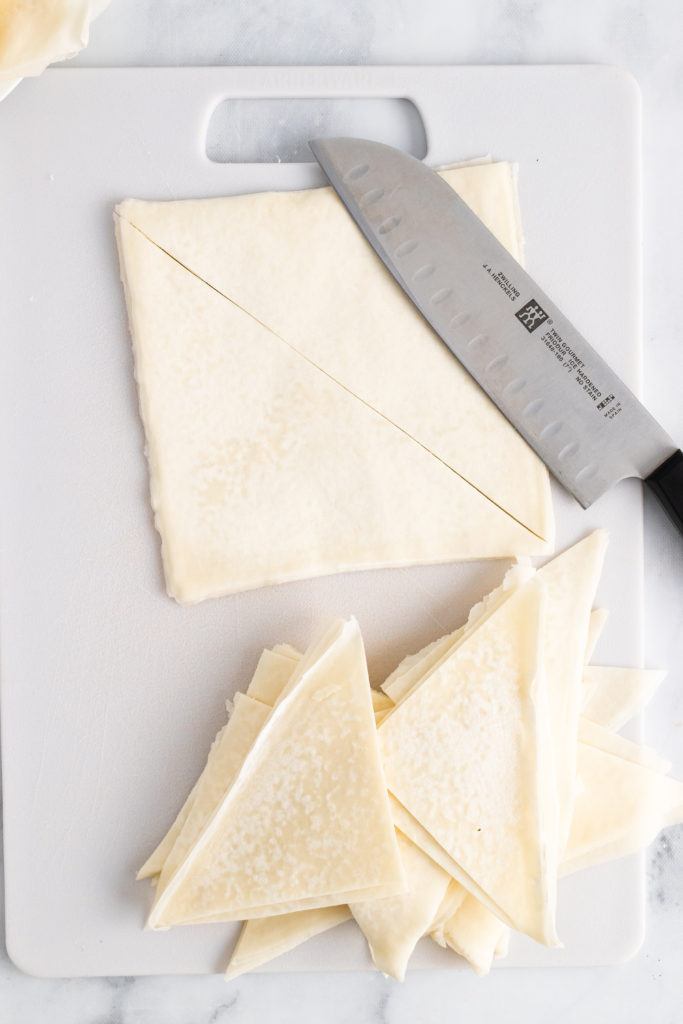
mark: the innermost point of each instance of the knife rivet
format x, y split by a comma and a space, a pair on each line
405, 248
357, 172
568, 450
441, 295
552, 428
373, 196
424, 271
388, 225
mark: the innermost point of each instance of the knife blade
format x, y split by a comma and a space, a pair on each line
569, 405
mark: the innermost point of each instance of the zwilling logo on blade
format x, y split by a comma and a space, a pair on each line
531, 315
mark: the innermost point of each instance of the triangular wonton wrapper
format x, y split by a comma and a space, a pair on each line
380, 701
265, 938
225, 759
406, 823
156, 860
230, 746
453, 897
467, 755
297, 274
393, 926
273, 672
604, 739
612, 696
239, 424
415, 668
261, 939
503, 945
475, 933
306, 823
570, 580
596, 624
621, 807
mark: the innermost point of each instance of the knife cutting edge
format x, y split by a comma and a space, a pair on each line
569, 405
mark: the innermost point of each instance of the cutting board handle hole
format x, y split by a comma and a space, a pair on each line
269, 130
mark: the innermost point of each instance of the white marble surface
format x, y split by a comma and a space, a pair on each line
645, 37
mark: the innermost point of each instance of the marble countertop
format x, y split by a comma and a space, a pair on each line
646, 39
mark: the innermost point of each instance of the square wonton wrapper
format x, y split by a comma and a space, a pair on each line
279, 366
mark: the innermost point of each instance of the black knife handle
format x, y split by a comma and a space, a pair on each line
667, 483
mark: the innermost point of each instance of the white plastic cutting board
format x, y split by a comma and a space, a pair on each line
111, 693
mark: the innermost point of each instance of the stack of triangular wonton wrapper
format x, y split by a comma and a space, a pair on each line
446, 804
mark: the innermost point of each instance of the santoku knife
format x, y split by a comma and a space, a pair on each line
581, 419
